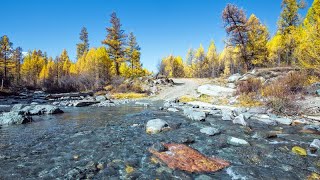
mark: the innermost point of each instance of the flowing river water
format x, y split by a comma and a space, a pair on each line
111, 143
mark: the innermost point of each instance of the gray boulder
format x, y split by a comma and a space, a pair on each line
155, 126
227, 114
101, 98
240, 120
285, 121
44, 109
234, 78
14, 117
194, 115
210, 131
84, 103
173, 110
315, 144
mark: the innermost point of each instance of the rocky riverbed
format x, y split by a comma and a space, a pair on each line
113, 143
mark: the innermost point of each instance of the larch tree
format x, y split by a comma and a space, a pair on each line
115, 41
5, 52
83, 46
235, 23
133, 55
200, 57
213, 61
258, 37
308, 49
288, 22
17, 58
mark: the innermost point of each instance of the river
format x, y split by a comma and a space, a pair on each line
111, 143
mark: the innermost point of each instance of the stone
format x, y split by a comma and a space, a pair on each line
14, 117
101, 98
17, 107
227, 114
233, 78
237, 142
44, 109
203, 177
299, 150
240, 120
155, 126
173, 110
194, 115
315, 144
318, 92
199, 104
183, 157
210, 131
311, 127
215, 90
84, 103
285, 121
158, 147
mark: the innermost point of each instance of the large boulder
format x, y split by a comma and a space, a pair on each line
155, 126
234, 78
194, 115
44, 109
215, 90
36, 109
13, 117
84, 103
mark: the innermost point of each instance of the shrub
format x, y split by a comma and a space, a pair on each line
280, 94
252, 85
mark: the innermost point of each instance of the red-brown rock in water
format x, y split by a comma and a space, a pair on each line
180, 156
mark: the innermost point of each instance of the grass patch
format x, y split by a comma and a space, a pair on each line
202, 98
247, 100
130, 95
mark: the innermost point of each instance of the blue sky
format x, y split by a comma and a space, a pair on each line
162, 27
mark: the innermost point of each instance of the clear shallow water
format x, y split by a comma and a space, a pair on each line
71, 145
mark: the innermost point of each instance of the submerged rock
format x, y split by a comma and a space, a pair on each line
180, 156
155, 126
237, 142
14, 117
194, 115
210, 131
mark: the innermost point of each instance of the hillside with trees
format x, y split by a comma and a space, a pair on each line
249, 45
94, 68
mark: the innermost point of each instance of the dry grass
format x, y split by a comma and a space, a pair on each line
130, 95
202, 98
248, 100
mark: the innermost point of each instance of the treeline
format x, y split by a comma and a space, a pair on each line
93, 69
248, 44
